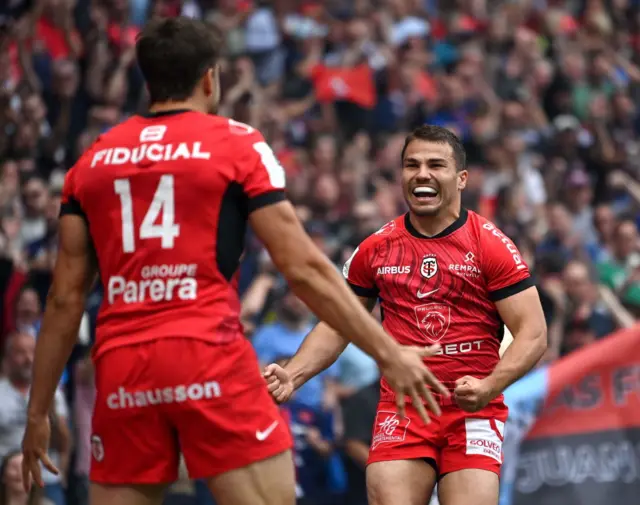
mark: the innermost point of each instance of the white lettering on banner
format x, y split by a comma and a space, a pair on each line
483, 439
508, 244
406, 269
561, 465
124, 399
153, 152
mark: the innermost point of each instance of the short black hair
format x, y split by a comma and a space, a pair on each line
440, 135
174, 54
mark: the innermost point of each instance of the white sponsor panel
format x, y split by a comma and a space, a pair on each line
483, 438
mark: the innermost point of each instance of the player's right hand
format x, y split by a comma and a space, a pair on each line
407, 375
279, 382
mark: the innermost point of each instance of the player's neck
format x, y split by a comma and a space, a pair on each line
430, 226
189, 104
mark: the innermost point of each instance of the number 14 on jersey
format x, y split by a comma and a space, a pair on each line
163, 202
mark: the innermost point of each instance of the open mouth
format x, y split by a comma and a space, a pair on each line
425, 194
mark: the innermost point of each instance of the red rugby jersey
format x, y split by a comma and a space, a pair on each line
441, 289
166, 198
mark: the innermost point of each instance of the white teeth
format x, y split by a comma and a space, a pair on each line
426, 191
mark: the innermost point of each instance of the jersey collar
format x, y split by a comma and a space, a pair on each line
456, 225
163, 113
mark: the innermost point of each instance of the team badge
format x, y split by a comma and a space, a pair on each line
433, 320
97, 449
429, 266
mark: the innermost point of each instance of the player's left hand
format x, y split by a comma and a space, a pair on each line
34, 449
472, 394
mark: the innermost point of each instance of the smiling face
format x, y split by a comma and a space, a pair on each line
431, 181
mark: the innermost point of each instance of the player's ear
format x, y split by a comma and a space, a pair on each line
462, 179
209, 82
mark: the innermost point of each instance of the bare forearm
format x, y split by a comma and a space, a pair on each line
319, 351
55, 343
322, 288
521, 356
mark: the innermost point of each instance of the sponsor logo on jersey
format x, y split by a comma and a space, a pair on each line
513, 250
395, 270
389, 428
159, 283
429, 266
467, 270
124, 399
153, 152
433, 320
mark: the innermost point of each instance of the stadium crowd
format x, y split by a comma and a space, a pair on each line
545, 95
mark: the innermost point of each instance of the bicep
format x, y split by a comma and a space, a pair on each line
522, 310
76, 265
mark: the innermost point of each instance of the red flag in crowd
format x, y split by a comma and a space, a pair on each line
349, 84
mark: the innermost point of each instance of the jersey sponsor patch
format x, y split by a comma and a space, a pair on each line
433, 320
389, 428
484, 437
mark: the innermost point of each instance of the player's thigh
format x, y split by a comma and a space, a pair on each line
100, 494
473, 485
400, 482
132, 440
237, 426
267, 482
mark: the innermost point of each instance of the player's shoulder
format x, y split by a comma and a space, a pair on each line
388, 232
485, 229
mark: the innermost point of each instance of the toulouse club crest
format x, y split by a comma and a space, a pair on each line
429, 266
433, 320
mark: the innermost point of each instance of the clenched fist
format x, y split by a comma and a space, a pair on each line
279, 382
472, 394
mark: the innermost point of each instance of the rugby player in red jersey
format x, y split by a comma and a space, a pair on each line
159, 207
443, 275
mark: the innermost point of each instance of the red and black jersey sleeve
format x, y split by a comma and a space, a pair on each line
359, 273
70, 203
504, 269
260, 173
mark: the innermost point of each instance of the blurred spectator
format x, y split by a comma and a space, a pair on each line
14, 389
283, 337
